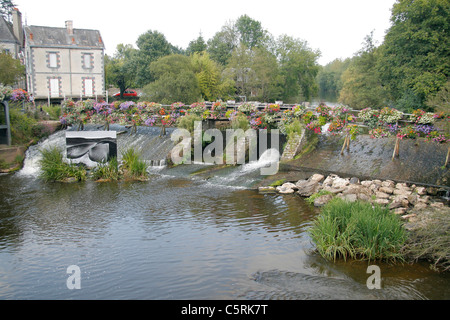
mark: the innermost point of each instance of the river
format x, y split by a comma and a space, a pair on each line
177, 237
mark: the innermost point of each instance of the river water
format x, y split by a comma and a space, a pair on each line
177, 237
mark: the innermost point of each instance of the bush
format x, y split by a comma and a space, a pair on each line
133, 166
107, 171
359, 231
54, 168
188, 122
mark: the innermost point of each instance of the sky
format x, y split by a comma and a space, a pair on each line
335, 27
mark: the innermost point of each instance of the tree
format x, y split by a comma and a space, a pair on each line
298, 67
196, 46
414, 61
152, 45
208, 76
361, 85
6, 8
329, 79
250, 32
174, 81
120, 69
222, 44
11, 70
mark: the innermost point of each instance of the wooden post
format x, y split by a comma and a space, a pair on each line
396, 148
448, 156
346, 144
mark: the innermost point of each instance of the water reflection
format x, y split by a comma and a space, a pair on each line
175, 238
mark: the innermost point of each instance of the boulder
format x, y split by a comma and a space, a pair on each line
354, 180
322, 200
307, 188
381, 195
340, 183
400, 211
421, 191
388, 190
349, 197
285, 190
382, 202
317, 177
420, 206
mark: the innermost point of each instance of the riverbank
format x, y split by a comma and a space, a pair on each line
425, 211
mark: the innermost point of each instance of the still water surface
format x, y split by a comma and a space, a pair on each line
174, 237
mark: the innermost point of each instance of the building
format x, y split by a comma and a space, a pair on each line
11, 35
64, 62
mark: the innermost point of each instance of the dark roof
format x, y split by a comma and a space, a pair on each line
6, 31
59, 37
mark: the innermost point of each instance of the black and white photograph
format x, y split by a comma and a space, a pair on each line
91, 147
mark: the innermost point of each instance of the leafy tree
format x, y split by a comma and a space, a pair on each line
152, 45
298, 67
120, 69
329, 79
415, 54
11, 70
208, 75
250, 32
6, 7
175, 81
239, 69
220, 47
196, 46
361, 85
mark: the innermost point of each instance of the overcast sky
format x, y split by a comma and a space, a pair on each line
336, 27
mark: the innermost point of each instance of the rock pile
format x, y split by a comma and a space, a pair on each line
401, 198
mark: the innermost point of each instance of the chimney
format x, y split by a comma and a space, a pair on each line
69, 27
17, 25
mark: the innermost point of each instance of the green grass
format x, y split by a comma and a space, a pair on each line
311, 199
54, 168
278, 183
358, 230
133, 166
107, 171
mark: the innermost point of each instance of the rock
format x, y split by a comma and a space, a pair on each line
307, 188
267, 189
424, 199
353, 188
317, 177
366, 183
420, 206
421, 191
340, 183
409, 216
322, 200
437, 205
332, 190
285, 190
349, 197
289, 185
395, 205
363, 197
432, 191
388, 184
413, 199
402, 191
401, 186
382, 195
354, 180
388, 190
382, 202
400, 211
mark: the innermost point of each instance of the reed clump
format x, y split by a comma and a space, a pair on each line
358, 230
54, 168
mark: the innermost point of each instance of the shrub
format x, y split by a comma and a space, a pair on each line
133, 166
54, 168
107, 170
188, 122
358, 230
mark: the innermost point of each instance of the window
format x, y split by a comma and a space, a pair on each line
88, 62
53, 60
54, 87
88, 87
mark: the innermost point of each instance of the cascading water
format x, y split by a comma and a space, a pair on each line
152, 147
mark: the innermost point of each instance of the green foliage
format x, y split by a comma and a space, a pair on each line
416, 48
107, 171
316, 195
120, 70
296, 127
361, 84
21, 127
54, 168
278, 183
240, 122
329, 79
11, 70
358, 230
132, 165
188, 122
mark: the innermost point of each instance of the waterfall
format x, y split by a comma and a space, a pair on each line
152, 147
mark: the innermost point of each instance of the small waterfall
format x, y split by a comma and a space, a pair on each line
152, 147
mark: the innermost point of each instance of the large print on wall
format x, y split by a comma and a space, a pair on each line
91, 147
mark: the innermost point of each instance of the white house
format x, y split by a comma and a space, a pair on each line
64, 62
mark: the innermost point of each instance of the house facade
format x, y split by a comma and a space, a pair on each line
11, 35
64, 62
